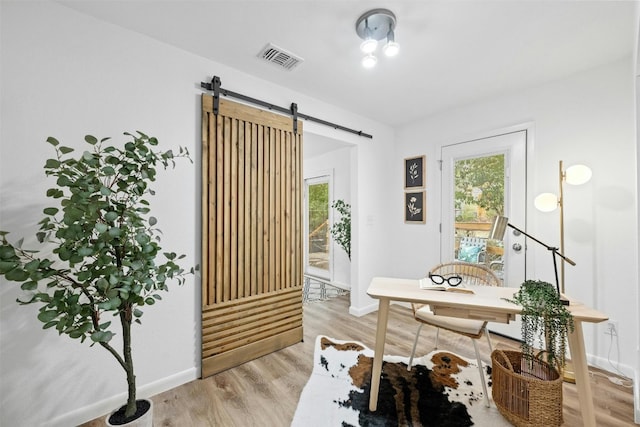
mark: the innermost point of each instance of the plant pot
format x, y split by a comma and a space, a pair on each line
145, 419
528, 393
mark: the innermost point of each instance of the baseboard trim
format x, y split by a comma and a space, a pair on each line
636, 398
605, 365
359, 312
102, 408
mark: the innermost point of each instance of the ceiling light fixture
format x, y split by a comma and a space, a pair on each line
373, 26
391, 48
369, 45
369, 61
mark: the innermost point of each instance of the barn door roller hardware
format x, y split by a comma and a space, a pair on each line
215, 86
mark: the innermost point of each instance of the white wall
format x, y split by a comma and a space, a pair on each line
338, 163
66, 75
587, 118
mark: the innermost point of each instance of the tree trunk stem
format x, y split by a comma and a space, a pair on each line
125, 319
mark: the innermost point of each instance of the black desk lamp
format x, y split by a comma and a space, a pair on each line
497, 233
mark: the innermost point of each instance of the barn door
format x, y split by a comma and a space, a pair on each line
251, 234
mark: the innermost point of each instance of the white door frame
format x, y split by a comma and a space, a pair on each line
517, 262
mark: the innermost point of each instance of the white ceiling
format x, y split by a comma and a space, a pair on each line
452, 52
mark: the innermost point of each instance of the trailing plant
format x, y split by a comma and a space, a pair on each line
105, 250
341, 229
544, 320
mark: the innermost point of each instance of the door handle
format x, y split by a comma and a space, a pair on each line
517, 247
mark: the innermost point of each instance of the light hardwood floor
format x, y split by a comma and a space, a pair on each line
265, 392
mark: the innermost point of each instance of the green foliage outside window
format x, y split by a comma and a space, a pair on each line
479, 182
318, 205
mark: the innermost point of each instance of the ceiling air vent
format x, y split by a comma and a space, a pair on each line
280, 57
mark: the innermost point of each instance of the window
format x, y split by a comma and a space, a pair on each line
479, 197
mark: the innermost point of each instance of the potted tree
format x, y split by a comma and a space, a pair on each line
104, 252
341, 229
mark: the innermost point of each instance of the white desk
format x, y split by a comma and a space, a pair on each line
486, 303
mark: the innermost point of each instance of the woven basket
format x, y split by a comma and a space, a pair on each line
527, 392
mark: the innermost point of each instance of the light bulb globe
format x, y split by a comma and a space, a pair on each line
391, 49
546, 202
368, 46
369, 61
578, 174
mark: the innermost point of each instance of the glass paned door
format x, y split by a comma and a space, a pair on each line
317, 227
480, 179
479, 197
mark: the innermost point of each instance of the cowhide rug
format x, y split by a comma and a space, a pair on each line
442, 389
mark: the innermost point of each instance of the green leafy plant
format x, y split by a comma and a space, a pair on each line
105, 246
479, 183
544, 319
341, 229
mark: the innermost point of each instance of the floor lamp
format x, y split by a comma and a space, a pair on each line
548, 202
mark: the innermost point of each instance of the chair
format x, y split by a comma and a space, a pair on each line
472, 249
472, 274
497, 267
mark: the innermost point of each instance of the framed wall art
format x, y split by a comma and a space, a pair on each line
414, 172
414, 208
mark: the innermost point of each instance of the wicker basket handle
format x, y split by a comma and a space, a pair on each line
506, 359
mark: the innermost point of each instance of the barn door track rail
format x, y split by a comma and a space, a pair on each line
216, 87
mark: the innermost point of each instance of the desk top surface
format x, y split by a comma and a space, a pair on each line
485, 297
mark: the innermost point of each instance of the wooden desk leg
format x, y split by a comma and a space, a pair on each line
381, 332
581, 370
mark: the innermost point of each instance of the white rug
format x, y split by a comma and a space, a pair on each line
442, 389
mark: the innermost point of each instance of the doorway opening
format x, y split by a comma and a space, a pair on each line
480, 179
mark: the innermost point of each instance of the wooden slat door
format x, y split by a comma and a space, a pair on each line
251, 234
